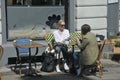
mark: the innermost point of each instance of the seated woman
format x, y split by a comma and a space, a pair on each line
89, 49
61, 36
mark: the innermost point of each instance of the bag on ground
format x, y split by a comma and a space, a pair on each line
48, 63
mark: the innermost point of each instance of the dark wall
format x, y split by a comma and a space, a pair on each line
112, 19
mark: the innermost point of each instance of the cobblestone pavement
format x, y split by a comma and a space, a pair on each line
111, 71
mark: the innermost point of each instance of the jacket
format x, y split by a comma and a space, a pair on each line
89, 49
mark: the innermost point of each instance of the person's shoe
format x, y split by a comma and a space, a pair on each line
81, 75
78, 70
66, 66
58, 69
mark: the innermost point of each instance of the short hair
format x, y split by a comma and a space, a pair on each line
85, 29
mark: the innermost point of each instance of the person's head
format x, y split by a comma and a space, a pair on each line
61, 25
85, 29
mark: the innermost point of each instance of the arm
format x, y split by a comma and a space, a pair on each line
82, 45
67, 36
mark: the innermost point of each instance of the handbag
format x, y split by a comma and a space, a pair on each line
48, 63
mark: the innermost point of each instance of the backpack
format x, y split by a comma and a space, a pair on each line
48, 63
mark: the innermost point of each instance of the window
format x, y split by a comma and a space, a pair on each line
33, 18
35, 2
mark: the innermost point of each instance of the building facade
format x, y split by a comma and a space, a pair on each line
35, 18
16, 18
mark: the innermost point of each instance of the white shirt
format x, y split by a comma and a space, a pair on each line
60, 37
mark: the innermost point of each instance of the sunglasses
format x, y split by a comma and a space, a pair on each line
62, 25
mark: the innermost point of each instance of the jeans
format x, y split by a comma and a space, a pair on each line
76, 59
63, 49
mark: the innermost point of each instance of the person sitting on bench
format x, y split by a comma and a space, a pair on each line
61, 36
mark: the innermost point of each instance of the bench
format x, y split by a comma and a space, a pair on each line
49, 37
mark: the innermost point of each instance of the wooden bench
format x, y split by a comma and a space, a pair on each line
49, 37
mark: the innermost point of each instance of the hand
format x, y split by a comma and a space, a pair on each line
62, 42
78, 39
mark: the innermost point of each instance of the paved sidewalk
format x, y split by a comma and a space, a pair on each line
111, 72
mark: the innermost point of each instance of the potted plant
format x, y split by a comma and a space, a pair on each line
118, 34
114, 41
111, 39
117, 47
117, 43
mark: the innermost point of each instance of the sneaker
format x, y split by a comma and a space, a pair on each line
27, 67
78, 71
58, 69
66, 66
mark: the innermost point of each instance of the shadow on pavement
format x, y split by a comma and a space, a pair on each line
56, 76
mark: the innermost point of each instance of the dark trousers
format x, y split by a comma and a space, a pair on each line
63, 49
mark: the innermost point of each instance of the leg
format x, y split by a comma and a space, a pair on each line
76, 59
57, 49
76, 63
81, 71
65, 56
64, 52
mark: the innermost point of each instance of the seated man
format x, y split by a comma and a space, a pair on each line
89, 48
61, 36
